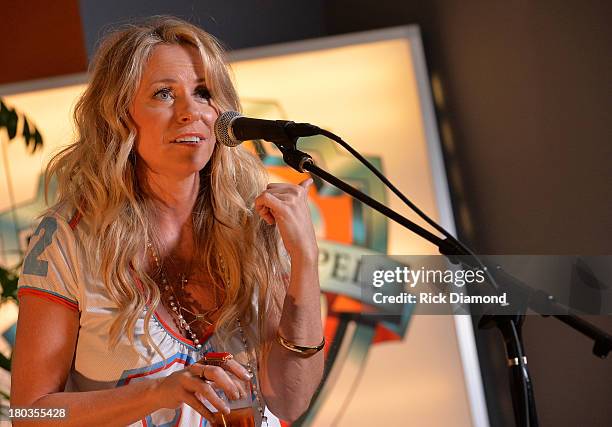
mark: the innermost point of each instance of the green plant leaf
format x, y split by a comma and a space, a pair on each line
5, 363
8, 280
4, 112
11, 123
26, 132
38, 141
9, 119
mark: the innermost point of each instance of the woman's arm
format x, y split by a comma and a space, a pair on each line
288, 380
42, 358
43, 354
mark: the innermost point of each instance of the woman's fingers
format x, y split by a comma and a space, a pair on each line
221, 380
240, 376
268, 206
192, 400
231, 381
265, 214
207, 391
197, 386
181, 387
238, 370
306, 183
286, 206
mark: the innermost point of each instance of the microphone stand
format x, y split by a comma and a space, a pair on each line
510, 325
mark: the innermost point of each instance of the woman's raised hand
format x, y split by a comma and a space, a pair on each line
286, 205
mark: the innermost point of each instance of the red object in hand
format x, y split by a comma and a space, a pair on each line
216, 359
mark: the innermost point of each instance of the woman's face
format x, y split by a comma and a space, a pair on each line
173, 113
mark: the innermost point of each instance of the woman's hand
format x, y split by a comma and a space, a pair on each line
286, 205
199, 381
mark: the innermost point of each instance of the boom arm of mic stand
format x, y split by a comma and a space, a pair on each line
442, 244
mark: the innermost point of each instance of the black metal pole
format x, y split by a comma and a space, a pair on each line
521, 386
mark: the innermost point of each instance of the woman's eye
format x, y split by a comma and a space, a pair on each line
163, 94
203, 92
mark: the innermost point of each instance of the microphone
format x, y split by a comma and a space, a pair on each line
232, 128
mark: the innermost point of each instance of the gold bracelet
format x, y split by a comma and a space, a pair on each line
302, 350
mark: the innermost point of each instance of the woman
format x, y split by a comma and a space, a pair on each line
163, 248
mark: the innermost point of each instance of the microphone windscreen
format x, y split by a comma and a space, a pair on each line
223, 129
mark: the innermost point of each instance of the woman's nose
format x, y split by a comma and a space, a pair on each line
187, 112
191, 111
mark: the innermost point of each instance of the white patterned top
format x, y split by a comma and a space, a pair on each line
53, 269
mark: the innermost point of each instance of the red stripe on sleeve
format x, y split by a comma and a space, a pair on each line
48, 296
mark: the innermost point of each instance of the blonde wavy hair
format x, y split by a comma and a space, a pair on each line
96, 177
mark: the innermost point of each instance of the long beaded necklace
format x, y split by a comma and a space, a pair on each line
249, 366
178, 312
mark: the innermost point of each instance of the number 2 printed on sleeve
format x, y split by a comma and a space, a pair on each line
31, 263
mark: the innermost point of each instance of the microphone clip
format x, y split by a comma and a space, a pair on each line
291, 155
296, 159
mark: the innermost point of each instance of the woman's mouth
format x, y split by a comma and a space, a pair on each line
191, 139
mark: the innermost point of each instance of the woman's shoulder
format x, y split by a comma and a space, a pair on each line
59, 226
67, 217
52, 261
